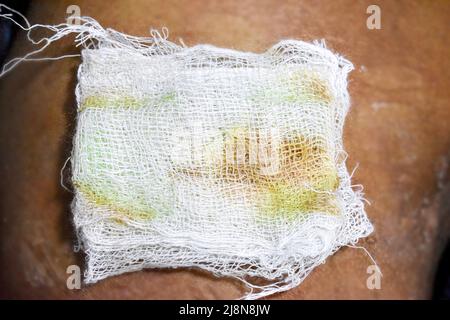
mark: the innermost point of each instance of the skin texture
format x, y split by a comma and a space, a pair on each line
397, 130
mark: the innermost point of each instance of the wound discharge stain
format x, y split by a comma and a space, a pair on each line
125, 102
122, 210
306, 86
299, 87
304, 182
99, 102
290, 201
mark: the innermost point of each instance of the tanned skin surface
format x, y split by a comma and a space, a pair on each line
398, 130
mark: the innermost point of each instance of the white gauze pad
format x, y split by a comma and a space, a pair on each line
212, 158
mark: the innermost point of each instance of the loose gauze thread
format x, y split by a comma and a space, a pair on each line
204, 157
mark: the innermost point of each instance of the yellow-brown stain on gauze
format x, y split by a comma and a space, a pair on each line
304, 182
307, 86
122, 212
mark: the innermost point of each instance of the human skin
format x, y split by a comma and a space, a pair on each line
398, 130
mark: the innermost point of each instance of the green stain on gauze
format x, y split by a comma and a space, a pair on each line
304, 182
308, 183
94, 178
168, 97
122, 208
290, 201
301, 86
304, 86
326, 179
125, 102
313, 192
100, 102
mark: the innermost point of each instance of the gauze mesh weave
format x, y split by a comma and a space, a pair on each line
205, 157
